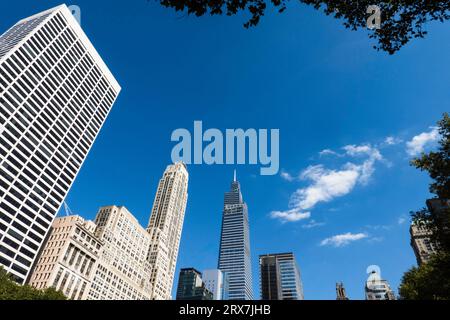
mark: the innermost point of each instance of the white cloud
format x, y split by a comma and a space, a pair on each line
342, 240
286, 176
290, 215
390, 141
326, 184
419, 142
326, 152
361, 150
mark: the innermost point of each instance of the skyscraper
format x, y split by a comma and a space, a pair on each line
422, 243
165, 226
234, 252
123, 272
280, 277
55, 94
191, 286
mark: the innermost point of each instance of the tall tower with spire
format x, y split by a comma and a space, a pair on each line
165, 226
234, 253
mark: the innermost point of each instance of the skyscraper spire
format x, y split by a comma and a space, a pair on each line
234, 251
234, 178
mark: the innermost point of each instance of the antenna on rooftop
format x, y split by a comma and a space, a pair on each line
67, 209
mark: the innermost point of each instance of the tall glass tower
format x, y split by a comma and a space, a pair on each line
280, 277
55, 94
234, 253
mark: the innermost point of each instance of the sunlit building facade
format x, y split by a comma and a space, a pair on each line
55, 94
164, 228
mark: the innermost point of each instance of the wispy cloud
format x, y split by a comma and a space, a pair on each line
390, 141
402, 219
327, 152
418, 143
292, 215
286, 176
342, 240
313, 224
327, 184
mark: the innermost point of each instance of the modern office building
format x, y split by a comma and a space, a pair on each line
69, 259
105, 260
191, 286
280, 277
234, 252
123, 272
164, 228
377, 288
421, 243
55, 94
340, 292
217, 282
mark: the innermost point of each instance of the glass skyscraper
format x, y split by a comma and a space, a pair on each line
280, 277
234, 253
55, 95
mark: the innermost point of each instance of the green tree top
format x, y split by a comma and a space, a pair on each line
10, 290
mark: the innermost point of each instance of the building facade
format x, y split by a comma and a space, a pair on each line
164, 228
377, 288
234, 252
55, 95
123, 272
421, 243
217, 282
69, 259
105, 260
280, 277
191, 286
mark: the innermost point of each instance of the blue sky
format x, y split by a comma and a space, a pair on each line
323, 86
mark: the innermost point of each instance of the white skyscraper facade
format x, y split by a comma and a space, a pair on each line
55, 94
165, 226
123, 272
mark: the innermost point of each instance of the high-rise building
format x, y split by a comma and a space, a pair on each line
123, 272
105, 260
280, 277
234, 252
165, 226
69, 258
55, 94
217, 282
191, 286
421, 243
377, 288
340, 292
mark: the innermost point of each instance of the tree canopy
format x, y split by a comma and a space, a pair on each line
431, 280
401, 20
10, 290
